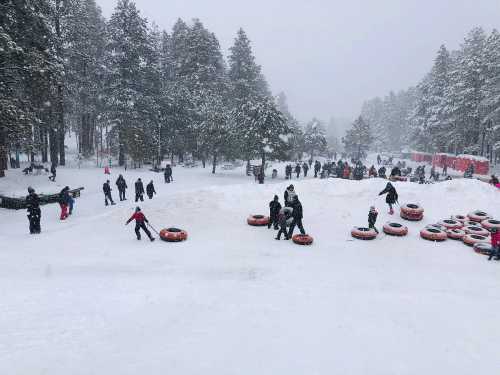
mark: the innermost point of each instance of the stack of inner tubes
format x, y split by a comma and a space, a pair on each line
412, 212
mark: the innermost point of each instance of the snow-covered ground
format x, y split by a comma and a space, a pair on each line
85, 297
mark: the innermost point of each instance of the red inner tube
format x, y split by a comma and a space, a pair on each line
433, 234
362, 233
302, 239
472, 239
395, 229
258, 220
173, 235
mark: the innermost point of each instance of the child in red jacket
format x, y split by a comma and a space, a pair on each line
495, 244
140, 221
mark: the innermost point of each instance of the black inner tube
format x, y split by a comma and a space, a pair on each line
174, 230
258, 216
395, 225
432, 230
477, 237
412, 205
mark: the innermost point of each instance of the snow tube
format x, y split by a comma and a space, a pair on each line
460, 218
173, 235
437, 226
483, 248
411, 217
395, 229
451, 224
478, 216
258, 220
302, 239
490, 224
468, 223
476, 229
472, 239
362, 233
456, 234
412, 209
433, 234
398, 178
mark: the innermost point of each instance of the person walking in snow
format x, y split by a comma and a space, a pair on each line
168, 174
140, 223
288, 172
53, 170
274, 209
289, 195
495, 244
284, 218
379, 159
139, 190
64, 202
372, 218
34, 212
121, 184
297, 215
297, 170
150, 190
317, 168
106, 189
372, 172
391, 197
445, 170
305, 168
381, 172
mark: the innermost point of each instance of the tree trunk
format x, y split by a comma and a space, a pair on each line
214, 163
203, 161
44, 143
262, 166
3, 154
54, 150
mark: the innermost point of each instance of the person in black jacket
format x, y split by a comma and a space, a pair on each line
381, 172
168, 174
392, 196
106, 188
139, 190
305, 168
372, 218
34, 212
53, 171
297, 170
297, 215
274, 209
121, 184
317, 168
150, 190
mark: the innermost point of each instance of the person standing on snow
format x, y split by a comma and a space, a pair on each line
106, 188
284, 216
305, 168
317, 168
297, 170
297, 215
392, 196
274, 209
64, 201
121, 184
139, 190
168, 174
150, 190
53, 170
289, 195
372, 218
140, 221
495, 244
34, 212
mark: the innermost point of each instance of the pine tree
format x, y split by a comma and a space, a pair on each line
358, 139
314, 137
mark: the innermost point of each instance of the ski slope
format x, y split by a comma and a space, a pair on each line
85, 297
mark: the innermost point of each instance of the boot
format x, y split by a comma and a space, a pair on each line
391, 212
277, 238
151, 239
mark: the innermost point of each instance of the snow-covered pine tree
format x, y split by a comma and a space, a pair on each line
358, 139
126, 50
314, 138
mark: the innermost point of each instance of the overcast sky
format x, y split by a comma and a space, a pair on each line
330, 55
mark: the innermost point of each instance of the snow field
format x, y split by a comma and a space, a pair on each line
85, 297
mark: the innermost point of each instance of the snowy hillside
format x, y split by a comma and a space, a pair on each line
85, 297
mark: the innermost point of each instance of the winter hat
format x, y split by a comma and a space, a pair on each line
137, 209
30, 189
372, 209
276, 198
291, 187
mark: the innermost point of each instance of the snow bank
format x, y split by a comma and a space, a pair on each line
86, 297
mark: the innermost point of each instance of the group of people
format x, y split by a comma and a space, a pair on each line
289, 216
289, 170
121, 184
